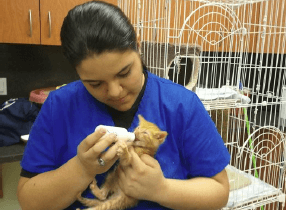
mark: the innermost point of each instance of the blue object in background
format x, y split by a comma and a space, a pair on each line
16, 118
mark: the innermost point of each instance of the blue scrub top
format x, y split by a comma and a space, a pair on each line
193, 147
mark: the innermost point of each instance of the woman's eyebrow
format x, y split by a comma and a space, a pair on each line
123, 69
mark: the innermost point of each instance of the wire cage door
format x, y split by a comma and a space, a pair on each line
232, 54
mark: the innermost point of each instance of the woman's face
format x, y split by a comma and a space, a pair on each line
113, 78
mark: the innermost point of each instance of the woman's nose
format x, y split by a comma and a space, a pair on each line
114, 89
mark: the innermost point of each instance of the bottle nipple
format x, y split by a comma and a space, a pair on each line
130, 137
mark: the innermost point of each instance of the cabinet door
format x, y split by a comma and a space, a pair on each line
53, 13
20, 21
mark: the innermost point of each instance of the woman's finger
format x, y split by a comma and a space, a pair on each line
149, 161
91, 140
110, 154
108, 162
121, 177
137, 163
101, 145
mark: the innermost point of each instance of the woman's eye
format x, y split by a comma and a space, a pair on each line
125, 74
95, 85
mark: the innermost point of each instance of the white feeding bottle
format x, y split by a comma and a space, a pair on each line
122, 133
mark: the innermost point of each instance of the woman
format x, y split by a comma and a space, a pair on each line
64, 153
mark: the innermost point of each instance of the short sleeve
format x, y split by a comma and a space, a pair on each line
39, 154
203, 148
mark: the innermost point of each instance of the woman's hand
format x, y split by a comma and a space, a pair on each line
59, 188
143, 179
92, 148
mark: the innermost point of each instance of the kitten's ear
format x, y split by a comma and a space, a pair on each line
161, 135
141, 118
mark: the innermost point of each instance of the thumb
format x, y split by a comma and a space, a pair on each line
149, 160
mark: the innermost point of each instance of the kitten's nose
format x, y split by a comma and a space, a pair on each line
136, 132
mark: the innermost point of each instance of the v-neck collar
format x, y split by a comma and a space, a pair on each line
125, 118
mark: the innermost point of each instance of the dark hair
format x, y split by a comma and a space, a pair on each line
95, 27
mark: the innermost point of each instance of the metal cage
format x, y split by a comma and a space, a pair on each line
231, 53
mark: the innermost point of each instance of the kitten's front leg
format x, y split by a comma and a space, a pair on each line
123, 153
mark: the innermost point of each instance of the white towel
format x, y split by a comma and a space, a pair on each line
225, 92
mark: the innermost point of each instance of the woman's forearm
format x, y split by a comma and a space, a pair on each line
59, 188
196, 193
55, 189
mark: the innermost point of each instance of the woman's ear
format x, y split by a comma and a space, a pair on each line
139, 44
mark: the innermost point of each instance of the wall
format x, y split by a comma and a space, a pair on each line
11, 175
29, 67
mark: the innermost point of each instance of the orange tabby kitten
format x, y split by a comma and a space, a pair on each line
148, 137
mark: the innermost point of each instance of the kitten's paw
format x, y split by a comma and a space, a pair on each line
79, 197
92, 186
119, 152
122, 148
101, 195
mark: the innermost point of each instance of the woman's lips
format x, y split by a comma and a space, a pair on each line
122, 99
117, 100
